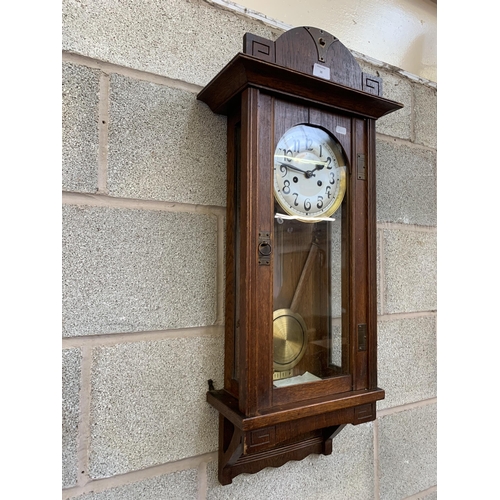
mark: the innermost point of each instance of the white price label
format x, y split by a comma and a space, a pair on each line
321, 71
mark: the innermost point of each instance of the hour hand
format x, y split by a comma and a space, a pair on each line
310, 173
318, 166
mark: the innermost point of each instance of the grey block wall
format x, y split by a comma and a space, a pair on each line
143, 180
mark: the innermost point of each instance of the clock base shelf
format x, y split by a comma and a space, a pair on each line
234, 461
250, 444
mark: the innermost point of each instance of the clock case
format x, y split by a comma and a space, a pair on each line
264, 91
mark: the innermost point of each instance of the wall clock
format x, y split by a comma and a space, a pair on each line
300, 326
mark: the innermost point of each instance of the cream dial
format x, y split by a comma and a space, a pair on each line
309, 173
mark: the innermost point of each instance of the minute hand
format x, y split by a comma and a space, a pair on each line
307, 173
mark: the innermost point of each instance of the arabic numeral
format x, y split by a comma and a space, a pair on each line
320, 201
329, 163
332, 178
307, 204
296, 197
286, 187
286, 154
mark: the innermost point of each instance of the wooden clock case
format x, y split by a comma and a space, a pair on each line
264, 91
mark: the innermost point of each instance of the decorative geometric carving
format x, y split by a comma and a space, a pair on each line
261, 437
259, 47
364, 413
372, 84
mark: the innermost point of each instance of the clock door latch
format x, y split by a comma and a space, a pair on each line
265, 248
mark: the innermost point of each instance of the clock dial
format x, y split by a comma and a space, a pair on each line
309, 174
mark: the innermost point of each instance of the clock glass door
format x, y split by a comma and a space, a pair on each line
309, 341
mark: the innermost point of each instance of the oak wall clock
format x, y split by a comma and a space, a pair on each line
301, 314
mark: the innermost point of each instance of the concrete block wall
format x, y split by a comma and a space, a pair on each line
143, 268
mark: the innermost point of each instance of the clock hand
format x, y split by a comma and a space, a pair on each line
318, 166
292, 167
310, 173
307, 173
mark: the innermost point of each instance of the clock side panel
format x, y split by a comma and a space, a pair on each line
372, 256
233, 211
254, 293
359, 255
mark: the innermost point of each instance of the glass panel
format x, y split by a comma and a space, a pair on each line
309, 186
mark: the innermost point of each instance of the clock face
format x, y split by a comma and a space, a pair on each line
309, 174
